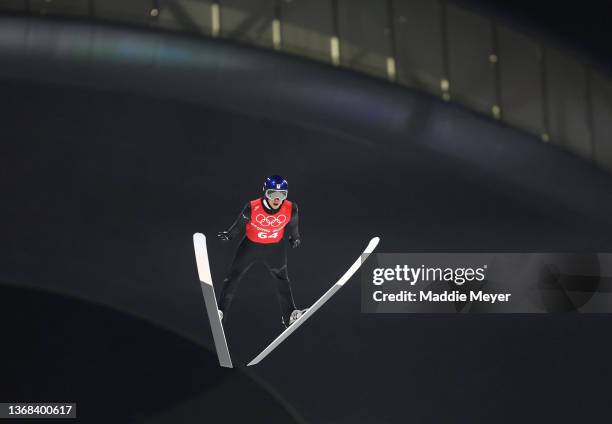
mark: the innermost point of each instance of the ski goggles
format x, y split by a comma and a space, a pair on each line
276, 194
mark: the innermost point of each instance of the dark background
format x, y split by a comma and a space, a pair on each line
104, 197
100, 304
582, 26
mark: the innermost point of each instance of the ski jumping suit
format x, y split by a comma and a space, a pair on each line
262, 242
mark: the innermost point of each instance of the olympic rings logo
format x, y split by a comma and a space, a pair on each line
270, 221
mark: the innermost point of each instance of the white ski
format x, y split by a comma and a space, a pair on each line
347, 275
201, 254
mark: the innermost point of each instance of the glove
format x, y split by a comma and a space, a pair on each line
295, 242
224, 235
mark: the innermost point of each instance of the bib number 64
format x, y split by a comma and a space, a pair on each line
264, 235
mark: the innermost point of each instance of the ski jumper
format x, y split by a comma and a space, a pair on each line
264, 231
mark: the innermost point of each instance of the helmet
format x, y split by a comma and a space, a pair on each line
275, 186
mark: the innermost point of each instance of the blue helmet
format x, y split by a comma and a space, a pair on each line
276, 187
275, 182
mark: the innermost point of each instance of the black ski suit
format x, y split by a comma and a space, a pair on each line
273, 256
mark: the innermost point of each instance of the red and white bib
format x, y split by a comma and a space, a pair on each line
265, 228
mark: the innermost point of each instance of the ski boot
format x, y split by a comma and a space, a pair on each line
296, 314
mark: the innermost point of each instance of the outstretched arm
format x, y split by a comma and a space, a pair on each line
294, 232
238, 226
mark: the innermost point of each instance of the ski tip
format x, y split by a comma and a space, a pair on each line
201, 254
372, 245
252, 363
